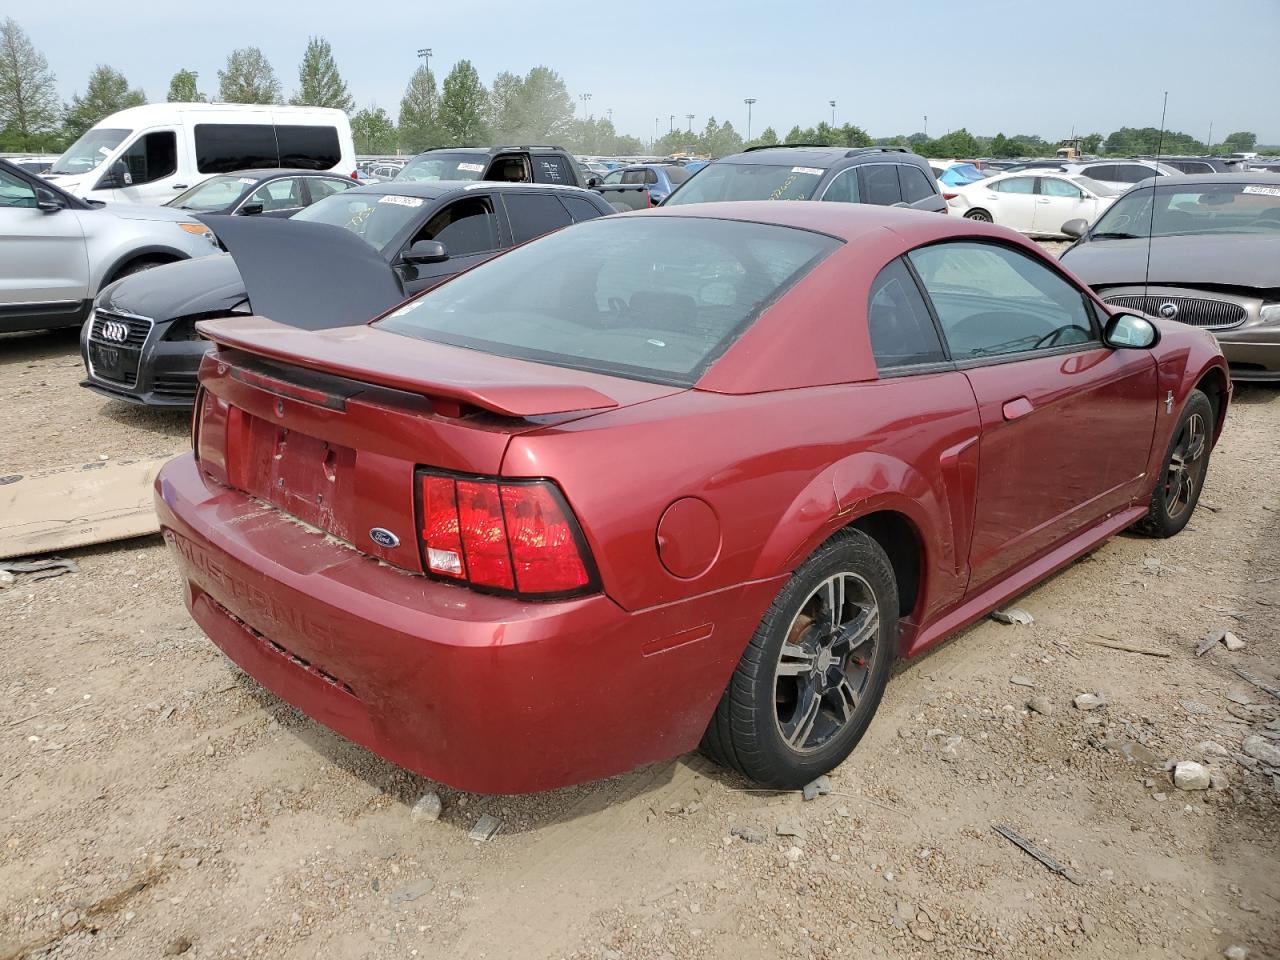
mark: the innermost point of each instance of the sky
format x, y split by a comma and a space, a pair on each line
1011, 66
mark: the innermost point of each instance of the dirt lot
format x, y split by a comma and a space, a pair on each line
158, 802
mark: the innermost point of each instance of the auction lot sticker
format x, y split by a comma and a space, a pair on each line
472, 167
1259, 188
401, 201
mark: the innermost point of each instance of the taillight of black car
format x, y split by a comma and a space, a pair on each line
516, 537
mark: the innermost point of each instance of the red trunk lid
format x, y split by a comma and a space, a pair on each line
329, 426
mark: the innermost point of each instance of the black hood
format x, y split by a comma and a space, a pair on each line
1236, 260
308, 275
204, 285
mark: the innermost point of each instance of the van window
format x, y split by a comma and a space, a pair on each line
224, 147
308, 148
152, 157
550, 168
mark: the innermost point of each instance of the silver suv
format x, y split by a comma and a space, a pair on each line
57, 251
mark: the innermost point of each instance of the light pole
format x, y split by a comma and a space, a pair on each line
609, 111
833, 113
689, 117
655, 133
584, 97
424, 54
671, 124
749, 101
926, 125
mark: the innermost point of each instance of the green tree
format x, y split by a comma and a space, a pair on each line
418, 128
464, 104
373, 131
956, 144
767, 139
28, 98
1242, 142
319, 82
796, 135
503, 109
1091, 143
1001, 147
545, 108
719, 140
107, 92
182, 88
627, 146
248, 78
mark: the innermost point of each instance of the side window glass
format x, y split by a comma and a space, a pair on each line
614, 176
992, 300
1059, 188
509, 169
533, 214
224, 147
464, 227
634, 176
549, 168
15, 192
152, 157
283, 194
902, 332
322, 187
581, 209
1018, 185
1105, 172
915, 185
880, 184
844, 188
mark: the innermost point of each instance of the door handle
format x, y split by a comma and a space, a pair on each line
179, 186
1017, 407
1043, 200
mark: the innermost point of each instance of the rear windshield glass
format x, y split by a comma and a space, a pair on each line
444, 166
1190, 209
748, 181
650, 298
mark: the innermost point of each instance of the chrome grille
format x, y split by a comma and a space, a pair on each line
105, 321
1196, 311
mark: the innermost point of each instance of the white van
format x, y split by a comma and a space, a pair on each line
149, 154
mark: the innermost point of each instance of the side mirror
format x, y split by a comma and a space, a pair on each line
426, 251
594, 181
1126, 331
1076, 228
47, 200
115, 178
251, 209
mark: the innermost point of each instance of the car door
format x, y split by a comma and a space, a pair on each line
153, 162
1066, 422
1013, 202
44, 265
468, 228
1058, 201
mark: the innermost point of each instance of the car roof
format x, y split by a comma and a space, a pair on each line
1249, 176
783, 154
490, 151
266, 173
433, 189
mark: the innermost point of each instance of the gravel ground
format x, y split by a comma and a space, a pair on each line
158, 802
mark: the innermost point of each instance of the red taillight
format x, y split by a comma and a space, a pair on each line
355, 174
949, 196
510, 537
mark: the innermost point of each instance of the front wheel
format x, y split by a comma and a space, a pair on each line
810, 680
980, 215
1182, 477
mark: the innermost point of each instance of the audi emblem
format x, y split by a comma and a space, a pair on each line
114, 330
1168, 310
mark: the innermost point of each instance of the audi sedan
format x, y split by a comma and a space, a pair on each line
690, 476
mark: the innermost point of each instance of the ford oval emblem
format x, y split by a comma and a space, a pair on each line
384, 537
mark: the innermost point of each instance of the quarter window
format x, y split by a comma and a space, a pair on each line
880, 184
549, 168
533, 214
844, 188
992, 300
465, 227
322, 187
902, 332
915, 185
581, 209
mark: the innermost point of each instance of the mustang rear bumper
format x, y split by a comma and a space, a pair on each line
484, 693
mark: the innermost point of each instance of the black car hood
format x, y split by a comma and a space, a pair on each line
204, 285
1236, 260
309, 275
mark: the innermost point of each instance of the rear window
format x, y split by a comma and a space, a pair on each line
650, 298
308, 148
444, 166
748, 181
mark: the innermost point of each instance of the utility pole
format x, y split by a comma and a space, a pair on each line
1209, 143
655, 134
749, 101
671, 124
833, 113
926, 125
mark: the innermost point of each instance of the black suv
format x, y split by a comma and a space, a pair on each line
888, 176
515, 164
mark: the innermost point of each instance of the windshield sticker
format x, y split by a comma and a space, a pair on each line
402, 201
812, 171
786, 185
105, 151
1258, 188
248, 181
472, 167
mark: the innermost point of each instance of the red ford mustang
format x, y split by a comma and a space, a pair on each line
671, 478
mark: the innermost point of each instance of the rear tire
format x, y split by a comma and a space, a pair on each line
980, 215
1182, 474
812, 675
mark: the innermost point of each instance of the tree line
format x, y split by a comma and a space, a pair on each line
532, 108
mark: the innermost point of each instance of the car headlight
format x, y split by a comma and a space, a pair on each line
200, 230
1270, 313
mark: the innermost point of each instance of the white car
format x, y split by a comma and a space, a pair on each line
57, 250
1034, 202
1121, 174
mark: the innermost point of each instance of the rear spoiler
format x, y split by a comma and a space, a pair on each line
513, 388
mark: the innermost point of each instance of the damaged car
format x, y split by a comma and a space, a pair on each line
688, 476
141, 343
1202, 250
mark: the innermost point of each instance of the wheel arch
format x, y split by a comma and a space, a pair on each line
900, 538
1213, 384
158, 252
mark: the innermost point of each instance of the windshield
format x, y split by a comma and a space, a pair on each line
90, 150
650, 298
748, 181
377, 219
444, 166
214, 194
1192, 210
